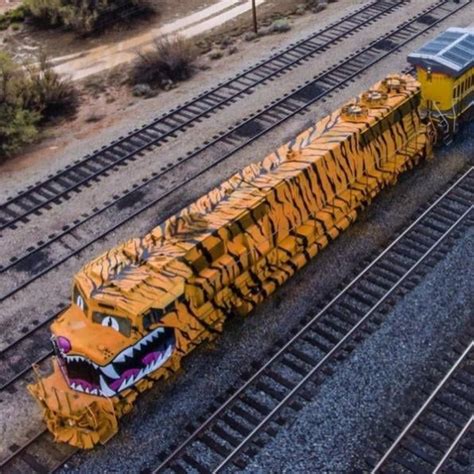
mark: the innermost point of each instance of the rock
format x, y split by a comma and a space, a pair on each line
227, 41
250, 36
140, 90
264, 30
214, 55
300, 9
280, 26
143, 90
233, 50
94, 117
320, 6
167, 84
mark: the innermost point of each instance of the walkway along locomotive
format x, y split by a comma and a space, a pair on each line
140, 307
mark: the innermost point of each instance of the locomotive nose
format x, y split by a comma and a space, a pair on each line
64, 344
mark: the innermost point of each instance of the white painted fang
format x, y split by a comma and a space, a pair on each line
122, 386
110, 371
105, 389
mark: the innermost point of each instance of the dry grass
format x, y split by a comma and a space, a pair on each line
170, 59
43, 90
86, 16
28, 96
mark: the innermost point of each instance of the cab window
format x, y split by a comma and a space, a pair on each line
79, 300
117, 323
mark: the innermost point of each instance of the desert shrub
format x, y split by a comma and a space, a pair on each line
42, 90
28, 96
170, 59
18, 127
13, 17
85, 16
280, 26
46, 12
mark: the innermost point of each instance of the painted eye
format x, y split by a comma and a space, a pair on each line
110, 322
80, 302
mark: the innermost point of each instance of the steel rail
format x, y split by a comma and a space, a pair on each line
289, 112
30, 332
286, 64
44, 436
454, 445
468, 173
22, 448
471, 207
235, 396
303, 382
445, 196
382, 461
29, 460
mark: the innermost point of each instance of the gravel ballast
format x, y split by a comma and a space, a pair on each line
333, 432
162, 414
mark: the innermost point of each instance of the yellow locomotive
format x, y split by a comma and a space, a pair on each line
140, 307
445, 69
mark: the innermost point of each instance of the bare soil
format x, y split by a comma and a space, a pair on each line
6, 5
107, 98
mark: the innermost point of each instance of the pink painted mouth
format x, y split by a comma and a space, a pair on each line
124, 371
83, 384
127, 374
151, 357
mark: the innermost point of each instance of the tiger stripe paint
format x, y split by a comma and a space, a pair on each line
222, 255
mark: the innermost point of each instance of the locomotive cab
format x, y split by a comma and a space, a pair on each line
445, 69
109, 347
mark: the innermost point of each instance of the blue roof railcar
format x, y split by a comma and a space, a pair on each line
451, 52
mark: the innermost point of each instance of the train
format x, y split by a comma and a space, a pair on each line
444, 68
139, 308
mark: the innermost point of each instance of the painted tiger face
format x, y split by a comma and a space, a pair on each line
104, 352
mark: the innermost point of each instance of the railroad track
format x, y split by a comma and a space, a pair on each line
40, 455
39, 198
13, 353
56, 249
32, 348
438, 436
20, 354
236, 430
355, 312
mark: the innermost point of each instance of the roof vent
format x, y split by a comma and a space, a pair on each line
374, 98
354, 112
394, 83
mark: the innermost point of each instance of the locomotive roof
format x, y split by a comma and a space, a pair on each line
451, 52
133, 275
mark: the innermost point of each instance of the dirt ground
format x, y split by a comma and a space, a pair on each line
6, 5
107, 98
28, 39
